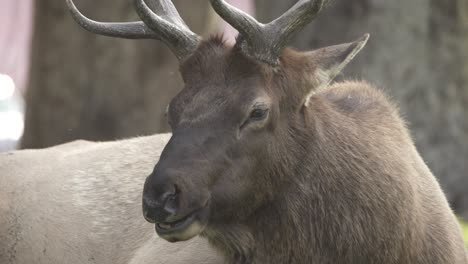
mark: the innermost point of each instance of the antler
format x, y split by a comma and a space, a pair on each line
266, 41
160, 21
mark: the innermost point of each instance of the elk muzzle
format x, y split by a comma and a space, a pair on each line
177, 209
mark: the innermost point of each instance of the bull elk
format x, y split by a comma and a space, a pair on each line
271, 163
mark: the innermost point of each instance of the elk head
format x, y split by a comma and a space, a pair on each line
241, 120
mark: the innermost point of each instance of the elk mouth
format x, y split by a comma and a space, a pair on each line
184, 228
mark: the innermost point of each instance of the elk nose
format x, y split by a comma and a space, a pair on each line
159, 208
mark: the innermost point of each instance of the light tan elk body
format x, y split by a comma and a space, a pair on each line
81, 203
267, 161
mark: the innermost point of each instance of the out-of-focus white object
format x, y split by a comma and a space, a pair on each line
7, 87
16, 25
12, 125
11, 114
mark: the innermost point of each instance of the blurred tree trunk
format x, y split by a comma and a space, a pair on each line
84, 86
418, 53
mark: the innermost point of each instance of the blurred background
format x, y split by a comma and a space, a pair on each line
59, 83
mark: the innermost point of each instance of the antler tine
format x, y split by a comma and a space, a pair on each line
253, 39
247, 26
167, 10
160, 22
266, 41
165, 21
295, 19
130, 30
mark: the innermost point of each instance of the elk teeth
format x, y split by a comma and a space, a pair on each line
165, 226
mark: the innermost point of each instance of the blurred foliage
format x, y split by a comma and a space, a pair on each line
465, 231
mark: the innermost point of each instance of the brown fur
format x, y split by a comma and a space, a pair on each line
338, 181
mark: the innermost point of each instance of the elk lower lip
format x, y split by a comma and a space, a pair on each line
164, 227
185, 228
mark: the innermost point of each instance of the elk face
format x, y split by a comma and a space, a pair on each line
234, 117
230, 124
221, 122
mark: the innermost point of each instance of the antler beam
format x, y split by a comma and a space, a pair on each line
160, 21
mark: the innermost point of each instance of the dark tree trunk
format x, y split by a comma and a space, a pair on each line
418, 52
84, 86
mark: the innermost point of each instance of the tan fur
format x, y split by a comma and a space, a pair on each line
81, 203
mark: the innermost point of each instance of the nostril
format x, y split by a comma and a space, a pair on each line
171, 206
172, 194
166, 197
163, 207
171, 201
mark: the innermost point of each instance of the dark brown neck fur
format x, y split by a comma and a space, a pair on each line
324, 208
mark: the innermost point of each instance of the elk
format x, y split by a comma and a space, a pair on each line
80, 203
272, 163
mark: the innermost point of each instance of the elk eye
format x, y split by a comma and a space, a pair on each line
258, 114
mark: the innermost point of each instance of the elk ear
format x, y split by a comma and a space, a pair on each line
330, 61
